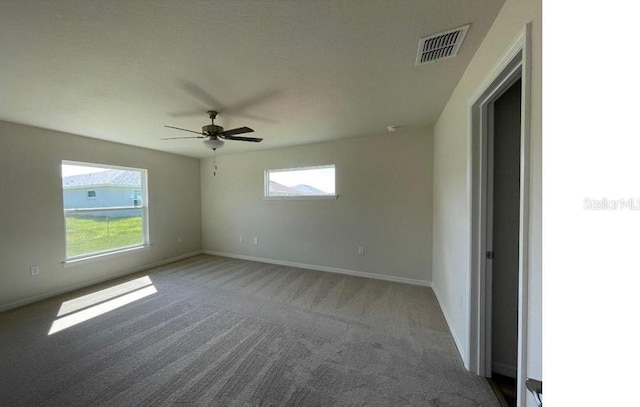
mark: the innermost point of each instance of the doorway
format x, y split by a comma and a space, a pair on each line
502, 240
499, 173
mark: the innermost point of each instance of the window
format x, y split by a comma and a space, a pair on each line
105, 209
137, 197
306, 182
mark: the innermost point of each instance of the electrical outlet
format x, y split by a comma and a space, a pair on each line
255, 240
34, 270
361, 251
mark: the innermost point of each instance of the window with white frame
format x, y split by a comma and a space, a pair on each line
137, 197
304, 182
105, 209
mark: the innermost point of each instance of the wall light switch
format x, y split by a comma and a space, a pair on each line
255, 240
360, 250
34, 270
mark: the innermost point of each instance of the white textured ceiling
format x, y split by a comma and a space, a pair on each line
295, 71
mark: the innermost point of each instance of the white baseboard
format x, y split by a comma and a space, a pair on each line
504, 369
50, 294
456, 340
412, 281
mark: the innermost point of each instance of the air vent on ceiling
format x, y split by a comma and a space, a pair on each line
439, 46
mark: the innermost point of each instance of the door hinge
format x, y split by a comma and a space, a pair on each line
490, 255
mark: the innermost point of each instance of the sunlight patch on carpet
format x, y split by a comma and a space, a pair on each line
85, 301
104, 302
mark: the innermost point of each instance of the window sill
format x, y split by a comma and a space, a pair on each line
298, 198
100, 256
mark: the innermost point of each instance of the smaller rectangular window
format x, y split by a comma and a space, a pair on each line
304, 182
91, 194
137, 198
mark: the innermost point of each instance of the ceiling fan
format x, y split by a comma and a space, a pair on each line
215, 135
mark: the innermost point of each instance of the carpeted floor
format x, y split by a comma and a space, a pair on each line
213, 331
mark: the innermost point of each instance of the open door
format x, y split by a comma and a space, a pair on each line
499, 139
502, 241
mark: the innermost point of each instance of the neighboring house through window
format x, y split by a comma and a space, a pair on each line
104, 208
304, 182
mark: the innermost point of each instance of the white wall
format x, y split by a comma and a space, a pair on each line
452, 184
384, 205
31, 213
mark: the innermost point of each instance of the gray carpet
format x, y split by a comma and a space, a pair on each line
225, 332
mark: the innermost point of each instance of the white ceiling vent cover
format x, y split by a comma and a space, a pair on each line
439, 46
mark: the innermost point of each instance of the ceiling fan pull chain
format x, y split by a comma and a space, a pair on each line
215, 164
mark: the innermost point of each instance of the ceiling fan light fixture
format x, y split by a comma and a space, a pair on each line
213, 143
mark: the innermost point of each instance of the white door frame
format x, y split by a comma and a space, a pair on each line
515, 64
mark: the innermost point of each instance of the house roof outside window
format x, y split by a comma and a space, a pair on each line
123, 178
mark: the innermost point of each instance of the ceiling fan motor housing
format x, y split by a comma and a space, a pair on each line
212, 129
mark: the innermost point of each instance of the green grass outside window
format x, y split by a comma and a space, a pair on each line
93, 235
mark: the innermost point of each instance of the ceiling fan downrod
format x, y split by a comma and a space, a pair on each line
211, 129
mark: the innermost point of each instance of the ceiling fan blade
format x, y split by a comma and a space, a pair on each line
211, 103
190, 131
258, 99
240, 138
189, 113
199, 93
239, 130
175, 138
253, 117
